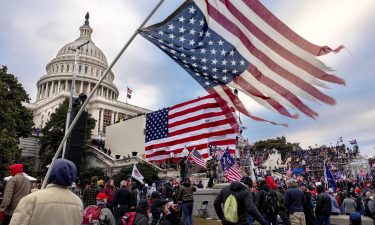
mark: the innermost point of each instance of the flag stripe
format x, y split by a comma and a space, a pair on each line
304, 88
219, 125
202, 148
184, 122
173, 115
284, 30
196, 124
312, 65
248, 87
187, 137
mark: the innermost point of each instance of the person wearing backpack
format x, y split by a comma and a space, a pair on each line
139, 217
238, 204
268, 203
99, 214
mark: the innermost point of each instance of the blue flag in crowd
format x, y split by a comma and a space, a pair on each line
330, 179
230, 168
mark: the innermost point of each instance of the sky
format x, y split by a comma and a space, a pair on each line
32, 32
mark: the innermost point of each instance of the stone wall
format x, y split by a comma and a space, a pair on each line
205, 194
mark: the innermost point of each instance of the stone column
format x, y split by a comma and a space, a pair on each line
88, 88
112, 117
47, 92
81, 88
102, 92
58, 86
43, 90
66, 85
116, 118
51, 88
101, 120
106, 94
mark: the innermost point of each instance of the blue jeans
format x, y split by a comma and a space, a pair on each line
250, 220
187, 210
324, 220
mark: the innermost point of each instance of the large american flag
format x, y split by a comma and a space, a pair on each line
194, 124
230, 168
241, 45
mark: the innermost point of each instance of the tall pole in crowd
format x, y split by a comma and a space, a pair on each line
72, 91
94, 91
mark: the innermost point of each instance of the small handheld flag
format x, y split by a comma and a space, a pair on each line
137, 175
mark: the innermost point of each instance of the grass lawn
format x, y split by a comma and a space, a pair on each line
201, 221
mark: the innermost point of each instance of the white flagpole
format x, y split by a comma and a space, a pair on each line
94, 91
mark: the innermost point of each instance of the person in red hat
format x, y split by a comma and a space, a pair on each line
16, 188
99, 213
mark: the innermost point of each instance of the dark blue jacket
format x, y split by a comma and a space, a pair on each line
294, 200
122, 197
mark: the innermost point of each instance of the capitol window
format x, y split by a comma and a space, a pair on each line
67, 68
86, 69
62, 68
79, 68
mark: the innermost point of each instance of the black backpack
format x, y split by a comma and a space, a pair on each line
271, 205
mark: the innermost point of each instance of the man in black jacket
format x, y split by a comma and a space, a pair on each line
122, 201
323, 207
244, 200
168, 189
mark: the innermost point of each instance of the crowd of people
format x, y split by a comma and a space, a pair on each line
97, 203
268, 200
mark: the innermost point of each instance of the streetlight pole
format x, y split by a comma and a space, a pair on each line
72, 91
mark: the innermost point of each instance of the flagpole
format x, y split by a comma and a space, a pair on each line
94, 91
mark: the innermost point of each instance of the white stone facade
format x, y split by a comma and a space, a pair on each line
54, 87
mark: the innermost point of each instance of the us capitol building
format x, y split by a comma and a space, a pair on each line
54, 87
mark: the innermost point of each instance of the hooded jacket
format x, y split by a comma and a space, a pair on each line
16, 188
245, 204
54, 205
185, 194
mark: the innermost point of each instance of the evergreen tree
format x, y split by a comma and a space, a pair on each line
15, 120
279, 143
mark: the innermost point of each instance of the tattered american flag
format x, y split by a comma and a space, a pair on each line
194, 124
237, 44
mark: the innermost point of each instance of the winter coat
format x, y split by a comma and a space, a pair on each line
185, 193
334, 205
122, 197
370, 208
294, 200
53, 205
107, 217
323, 205
168, 191
16, 188
349, 205
245, 204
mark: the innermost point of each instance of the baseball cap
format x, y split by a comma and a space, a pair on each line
101, 196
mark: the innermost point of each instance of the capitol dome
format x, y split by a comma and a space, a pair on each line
92, 64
